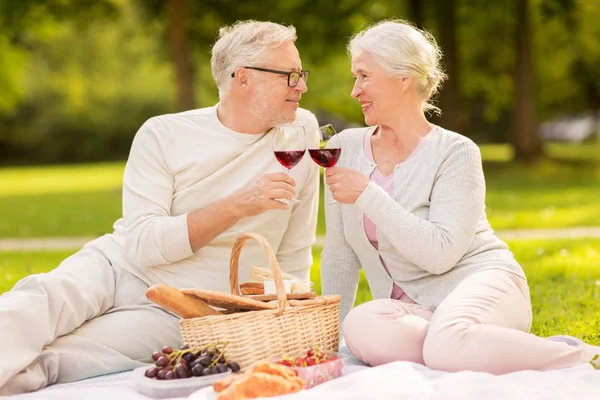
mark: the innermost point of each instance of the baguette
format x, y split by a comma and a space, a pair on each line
174, 300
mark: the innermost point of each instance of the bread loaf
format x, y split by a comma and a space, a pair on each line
174, 300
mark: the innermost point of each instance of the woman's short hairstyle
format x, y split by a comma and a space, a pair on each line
404, 50
244, 43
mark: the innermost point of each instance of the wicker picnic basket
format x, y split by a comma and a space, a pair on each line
266, 334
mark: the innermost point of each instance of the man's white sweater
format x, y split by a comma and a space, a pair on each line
182, 162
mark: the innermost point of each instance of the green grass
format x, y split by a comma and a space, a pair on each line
59, 214
15, 265
61, 179
73, 200
85, 200
557, 151
564, 277
549, 194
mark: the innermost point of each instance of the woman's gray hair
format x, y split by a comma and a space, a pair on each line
245, 43
404, 50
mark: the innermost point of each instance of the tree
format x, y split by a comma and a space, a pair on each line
417, 13
179, 51
527, 144
450, 100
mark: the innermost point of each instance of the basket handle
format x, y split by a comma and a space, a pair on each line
234, 267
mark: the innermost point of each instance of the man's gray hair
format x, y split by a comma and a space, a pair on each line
245, 43
403, 50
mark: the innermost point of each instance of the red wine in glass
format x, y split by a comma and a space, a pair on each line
289, 158
289, 146
326, 158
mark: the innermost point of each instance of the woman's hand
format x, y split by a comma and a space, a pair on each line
345, 184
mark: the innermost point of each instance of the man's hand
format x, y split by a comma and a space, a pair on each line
260, 195
207, 223
345, 184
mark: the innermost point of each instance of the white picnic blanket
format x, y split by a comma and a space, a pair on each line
399, 380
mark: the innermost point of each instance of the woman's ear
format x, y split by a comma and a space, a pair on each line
406, 82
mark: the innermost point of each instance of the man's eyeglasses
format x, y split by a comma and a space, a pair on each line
293, 76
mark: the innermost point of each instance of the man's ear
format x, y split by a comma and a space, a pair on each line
241, 77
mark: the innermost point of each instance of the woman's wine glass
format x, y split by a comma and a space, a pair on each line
325, 156
289, 146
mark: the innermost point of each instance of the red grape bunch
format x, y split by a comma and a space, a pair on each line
186, 362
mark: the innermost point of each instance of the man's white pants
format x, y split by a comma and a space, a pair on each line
85, 318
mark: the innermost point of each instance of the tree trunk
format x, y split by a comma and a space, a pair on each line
417, 12
180, 53
526, 142
450, 102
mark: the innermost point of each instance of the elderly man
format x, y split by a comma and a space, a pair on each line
194, 181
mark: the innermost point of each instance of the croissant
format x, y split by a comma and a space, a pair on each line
260, 384
224, 383
274, 369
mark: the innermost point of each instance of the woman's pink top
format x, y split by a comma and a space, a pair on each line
387, 183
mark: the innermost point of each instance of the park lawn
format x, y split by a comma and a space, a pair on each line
65, 200
85, 200
564, 277
548, 195
502, 152
15, 265
59, 214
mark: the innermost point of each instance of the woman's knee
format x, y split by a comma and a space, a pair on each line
362, 318
444, 348
378, 332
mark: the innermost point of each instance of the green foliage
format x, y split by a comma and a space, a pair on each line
490, 94
18, 16
78, 78
329, 90
12, 60
316, 37
84, 99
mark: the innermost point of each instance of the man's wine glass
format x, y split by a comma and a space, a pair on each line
289, 146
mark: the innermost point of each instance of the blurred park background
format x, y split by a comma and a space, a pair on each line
79, 77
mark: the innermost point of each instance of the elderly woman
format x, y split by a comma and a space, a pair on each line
410, 211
